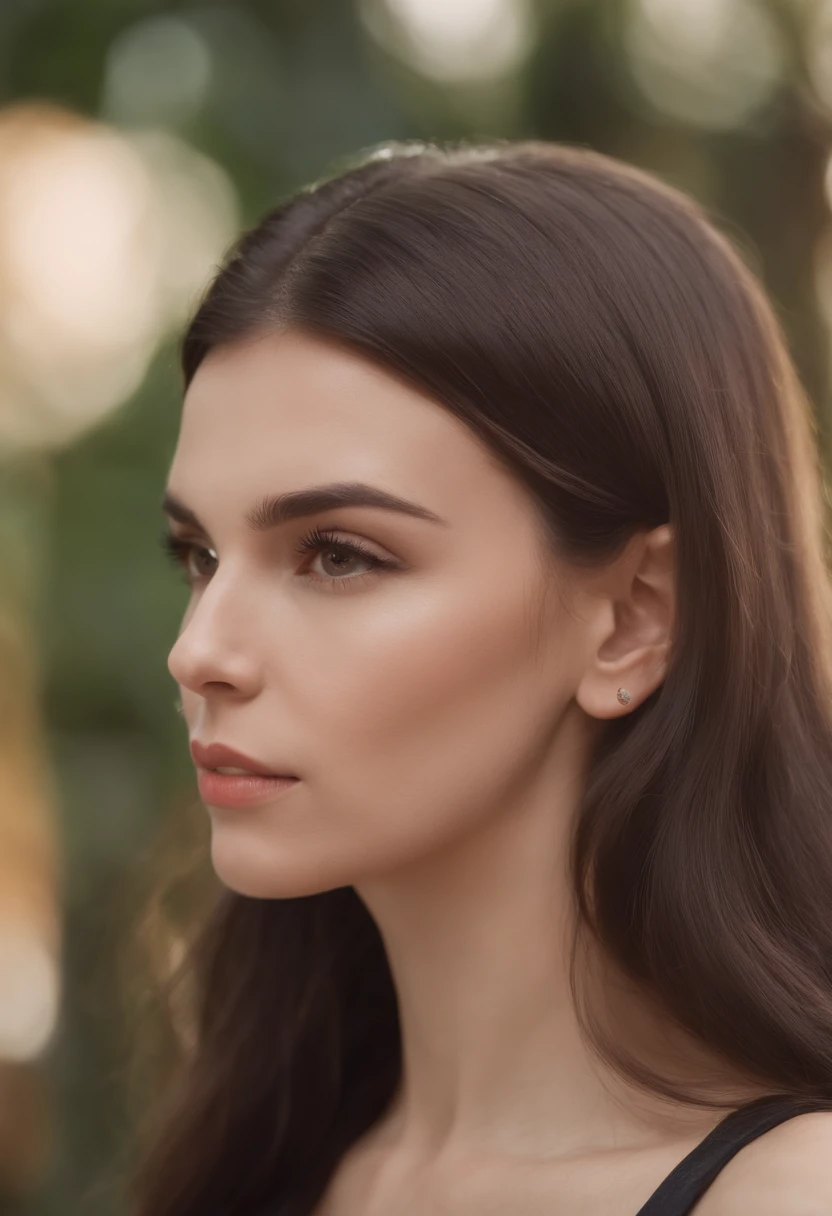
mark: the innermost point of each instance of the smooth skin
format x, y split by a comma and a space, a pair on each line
440, 712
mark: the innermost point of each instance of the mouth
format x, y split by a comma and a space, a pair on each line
236, 772
218, 758
239, 789
227, 778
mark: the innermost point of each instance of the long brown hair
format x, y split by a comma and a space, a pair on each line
611, 346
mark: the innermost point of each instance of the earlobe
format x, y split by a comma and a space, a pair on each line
595, 697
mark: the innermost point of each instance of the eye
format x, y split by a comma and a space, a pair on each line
197, 561
339, 555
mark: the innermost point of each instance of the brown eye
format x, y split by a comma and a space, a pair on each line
203, 562
197, 561
336, 557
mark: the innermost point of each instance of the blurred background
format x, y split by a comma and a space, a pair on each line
136, 138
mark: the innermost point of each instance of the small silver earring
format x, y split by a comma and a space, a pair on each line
623, 696
178, 706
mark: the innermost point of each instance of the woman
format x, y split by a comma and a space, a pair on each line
506, 676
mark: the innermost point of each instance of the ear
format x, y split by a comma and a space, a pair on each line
634, 606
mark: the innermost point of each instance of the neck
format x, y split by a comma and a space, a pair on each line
478, 939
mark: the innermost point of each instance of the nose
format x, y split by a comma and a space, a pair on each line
213, 653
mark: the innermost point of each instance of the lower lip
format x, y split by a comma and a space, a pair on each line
234, 789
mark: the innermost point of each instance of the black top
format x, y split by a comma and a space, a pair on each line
690, 1179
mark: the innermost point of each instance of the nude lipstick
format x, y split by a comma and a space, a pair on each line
227, 778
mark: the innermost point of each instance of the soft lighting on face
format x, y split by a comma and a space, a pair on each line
710, 63
105, 242
29, 983
464, 40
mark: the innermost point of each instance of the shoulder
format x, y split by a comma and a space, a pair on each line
785, 1172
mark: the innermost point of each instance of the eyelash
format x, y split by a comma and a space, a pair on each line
179, 551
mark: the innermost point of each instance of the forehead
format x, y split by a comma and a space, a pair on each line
282, 411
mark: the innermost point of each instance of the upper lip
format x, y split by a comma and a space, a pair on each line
217, 755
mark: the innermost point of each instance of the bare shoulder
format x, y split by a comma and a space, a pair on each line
786, 1172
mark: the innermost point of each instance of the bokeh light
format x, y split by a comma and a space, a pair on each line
105, 239
30, 983
467, 40
157, 71
710, 63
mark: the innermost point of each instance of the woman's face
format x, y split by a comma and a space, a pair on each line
412, 699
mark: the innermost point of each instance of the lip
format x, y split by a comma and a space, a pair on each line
259, 784
239, 789
217, 755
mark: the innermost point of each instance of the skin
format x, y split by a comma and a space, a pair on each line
440, 716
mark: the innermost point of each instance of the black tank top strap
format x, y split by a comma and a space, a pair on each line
694, 1174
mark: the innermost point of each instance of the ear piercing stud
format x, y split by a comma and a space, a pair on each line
623, 696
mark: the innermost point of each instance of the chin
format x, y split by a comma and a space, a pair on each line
255, 878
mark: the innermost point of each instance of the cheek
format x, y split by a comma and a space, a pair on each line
428, 719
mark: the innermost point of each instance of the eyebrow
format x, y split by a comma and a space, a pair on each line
274, 510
